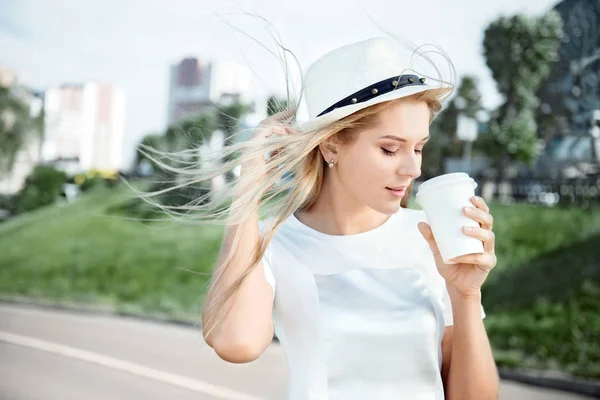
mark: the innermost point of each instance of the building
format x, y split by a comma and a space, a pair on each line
29, 155
194, 85
571, 93
570, 97
85, 122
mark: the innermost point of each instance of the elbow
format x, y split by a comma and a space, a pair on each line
237, 351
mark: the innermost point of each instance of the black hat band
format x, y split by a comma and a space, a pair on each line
377, 89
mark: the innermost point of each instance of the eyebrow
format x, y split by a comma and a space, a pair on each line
402, 139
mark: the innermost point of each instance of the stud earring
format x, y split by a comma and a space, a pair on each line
331, 164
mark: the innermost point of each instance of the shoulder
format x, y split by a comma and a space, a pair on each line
269, 222
417, 215
263, 224
408, 219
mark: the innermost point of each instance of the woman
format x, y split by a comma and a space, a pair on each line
361, 301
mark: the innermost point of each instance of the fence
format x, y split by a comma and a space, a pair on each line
581, 192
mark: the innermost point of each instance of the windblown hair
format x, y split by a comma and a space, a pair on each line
288, 181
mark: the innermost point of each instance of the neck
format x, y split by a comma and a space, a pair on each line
337, 212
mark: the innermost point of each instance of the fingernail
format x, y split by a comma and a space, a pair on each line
468, 209
468, 228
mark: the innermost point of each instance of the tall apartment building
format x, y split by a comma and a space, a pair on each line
85, 122
195, 84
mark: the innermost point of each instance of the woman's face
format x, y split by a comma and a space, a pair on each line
385, 156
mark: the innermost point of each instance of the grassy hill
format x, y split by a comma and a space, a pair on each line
541, 300
83, 253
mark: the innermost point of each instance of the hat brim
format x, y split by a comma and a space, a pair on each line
339, 113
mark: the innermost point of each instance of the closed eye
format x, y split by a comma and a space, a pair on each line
393, 153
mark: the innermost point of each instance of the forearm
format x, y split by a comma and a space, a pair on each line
472, 373
245, 316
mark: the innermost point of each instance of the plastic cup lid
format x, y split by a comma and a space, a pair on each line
443, 180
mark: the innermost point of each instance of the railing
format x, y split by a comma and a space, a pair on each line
581, 192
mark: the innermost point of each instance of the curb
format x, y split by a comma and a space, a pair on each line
545, 379
106, 311
554, 380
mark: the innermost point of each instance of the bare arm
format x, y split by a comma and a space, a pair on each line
468, 368
247, 329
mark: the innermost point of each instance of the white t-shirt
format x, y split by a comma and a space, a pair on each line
359, 316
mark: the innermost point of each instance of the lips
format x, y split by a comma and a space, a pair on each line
399, 188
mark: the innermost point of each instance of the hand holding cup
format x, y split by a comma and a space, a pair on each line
459, 232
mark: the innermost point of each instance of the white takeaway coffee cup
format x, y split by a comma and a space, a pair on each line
442, 199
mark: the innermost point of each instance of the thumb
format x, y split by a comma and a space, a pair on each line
427, 234
425, 230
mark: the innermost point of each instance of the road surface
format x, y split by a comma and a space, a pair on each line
48, 354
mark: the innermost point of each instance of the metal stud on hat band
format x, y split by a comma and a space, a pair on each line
377, 89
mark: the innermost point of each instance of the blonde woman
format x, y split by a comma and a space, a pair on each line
346, 275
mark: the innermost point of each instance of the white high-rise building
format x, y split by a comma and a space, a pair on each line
195, 84
85, 122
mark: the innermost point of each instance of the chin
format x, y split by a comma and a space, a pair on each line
389, 208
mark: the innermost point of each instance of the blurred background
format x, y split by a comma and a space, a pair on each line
85, 267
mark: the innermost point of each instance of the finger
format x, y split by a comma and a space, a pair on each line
485, 261
486, 236
277, 130
480, 203
483, 217
425, 230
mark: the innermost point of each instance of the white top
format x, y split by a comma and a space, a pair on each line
359, 316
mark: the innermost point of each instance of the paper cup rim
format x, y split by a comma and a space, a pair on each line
445, 182
443, 178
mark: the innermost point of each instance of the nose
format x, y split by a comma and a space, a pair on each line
411, 166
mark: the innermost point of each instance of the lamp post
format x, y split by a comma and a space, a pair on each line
466, 131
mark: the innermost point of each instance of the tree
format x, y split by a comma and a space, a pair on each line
229, 120
275, 105
519, 51
16, 127
188, 134
42, 187
154, 142
444, 142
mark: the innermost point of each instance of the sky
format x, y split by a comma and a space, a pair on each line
132, 43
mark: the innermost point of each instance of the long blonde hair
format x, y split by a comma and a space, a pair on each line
291, 180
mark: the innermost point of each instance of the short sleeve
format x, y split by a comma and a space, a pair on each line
268, 271
447, 308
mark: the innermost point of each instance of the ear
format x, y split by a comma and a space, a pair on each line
329, 149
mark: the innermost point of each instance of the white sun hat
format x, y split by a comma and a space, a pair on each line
358, 75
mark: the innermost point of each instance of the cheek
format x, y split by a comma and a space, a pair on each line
370, 170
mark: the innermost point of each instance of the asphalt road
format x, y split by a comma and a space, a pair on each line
46, 354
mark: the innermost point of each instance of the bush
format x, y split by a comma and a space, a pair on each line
6, 202
543, 314
42, 187
92, 179
140, 208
